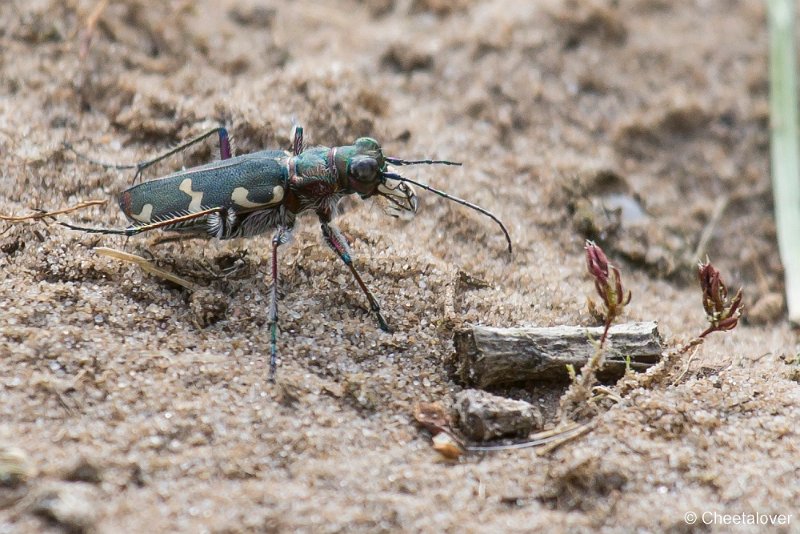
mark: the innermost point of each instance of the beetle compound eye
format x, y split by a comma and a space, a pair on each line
364, 169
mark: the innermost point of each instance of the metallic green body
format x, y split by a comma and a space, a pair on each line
250, 194
211, 185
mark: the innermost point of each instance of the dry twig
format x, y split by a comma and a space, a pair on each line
45, 214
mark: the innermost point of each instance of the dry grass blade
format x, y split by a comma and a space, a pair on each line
90, 26
549, 438
146, 266
564, 438
784, 145
708, 231
45, 214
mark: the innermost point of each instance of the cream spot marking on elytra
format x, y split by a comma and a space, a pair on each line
197, 196
146, 214
240, 197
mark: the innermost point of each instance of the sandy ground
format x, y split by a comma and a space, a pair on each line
132, 405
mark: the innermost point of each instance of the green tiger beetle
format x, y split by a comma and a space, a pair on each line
247, 195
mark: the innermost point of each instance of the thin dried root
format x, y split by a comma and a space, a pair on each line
686, 368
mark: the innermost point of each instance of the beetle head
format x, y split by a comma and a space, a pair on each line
364, 166
366, 172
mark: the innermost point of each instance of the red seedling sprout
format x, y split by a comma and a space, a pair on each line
608, 282
722, 312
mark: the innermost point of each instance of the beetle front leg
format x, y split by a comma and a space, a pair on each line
281, 237
338, 243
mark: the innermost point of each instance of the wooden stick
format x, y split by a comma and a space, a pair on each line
488, 356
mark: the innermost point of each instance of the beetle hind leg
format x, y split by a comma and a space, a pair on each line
224, 152
167, 223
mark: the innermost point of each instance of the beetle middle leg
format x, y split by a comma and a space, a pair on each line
281, 237
338, 243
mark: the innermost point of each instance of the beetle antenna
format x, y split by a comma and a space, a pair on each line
401, 162
393, 176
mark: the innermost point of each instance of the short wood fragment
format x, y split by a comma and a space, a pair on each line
482, 416
487, 356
